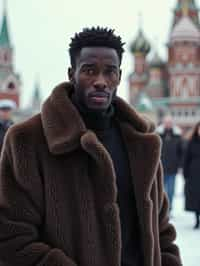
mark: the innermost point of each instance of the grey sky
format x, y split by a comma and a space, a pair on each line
41, 29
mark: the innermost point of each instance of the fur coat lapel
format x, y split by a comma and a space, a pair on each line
61, 122
143, 152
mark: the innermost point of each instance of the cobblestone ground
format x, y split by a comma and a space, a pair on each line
188, 239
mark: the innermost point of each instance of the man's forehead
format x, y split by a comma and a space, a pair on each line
96, 53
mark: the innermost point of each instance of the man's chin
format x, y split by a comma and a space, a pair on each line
98, 106
97, 109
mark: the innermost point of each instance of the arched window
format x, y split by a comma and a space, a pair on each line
185, 88
5, 58
11, 86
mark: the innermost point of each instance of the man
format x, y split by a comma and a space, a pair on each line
171, 153
6, 108
81, 183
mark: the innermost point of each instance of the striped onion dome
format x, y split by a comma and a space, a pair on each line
140, 44
156, 61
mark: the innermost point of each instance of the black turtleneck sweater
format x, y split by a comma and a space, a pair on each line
108, 132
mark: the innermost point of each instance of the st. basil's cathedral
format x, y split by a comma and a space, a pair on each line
173, 86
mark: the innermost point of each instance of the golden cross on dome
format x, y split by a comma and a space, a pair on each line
185, 7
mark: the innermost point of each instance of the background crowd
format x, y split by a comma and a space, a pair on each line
181, 155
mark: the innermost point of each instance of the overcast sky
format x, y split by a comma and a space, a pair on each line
40, 32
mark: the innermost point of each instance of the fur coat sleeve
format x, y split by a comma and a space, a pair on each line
21, 216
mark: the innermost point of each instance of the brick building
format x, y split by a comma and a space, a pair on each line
10, 82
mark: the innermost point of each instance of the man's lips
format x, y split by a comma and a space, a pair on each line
99, 97
102, 94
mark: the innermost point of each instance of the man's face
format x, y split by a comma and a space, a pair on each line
168, 122
5, 114
96, 77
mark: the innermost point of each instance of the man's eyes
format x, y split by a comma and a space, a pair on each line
111, 71
107, 72
89, 71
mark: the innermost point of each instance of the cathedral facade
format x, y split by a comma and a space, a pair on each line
173, 86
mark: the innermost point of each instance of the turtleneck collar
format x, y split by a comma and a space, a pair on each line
97, 121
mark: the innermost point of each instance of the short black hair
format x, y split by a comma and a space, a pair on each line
95, 37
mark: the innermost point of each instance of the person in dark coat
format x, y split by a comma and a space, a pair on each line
82, 182
6, 108
172, 152
191, 173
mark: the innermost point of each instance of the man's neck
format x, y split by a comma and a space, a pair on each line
98, 120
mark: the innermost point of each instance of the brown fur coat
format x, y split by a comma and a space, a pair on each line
58, 191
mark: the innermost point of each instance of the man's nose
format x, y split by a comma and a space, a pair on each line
100, 82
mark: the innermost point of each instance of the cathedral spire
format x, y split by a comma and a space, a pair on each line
4, 4
186, 8
4, 34
36, 99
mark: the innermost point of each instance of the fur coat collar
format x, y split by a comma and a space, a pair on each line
69, 126
65, 131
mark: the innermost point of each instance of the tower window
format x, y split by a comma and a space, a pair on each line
11, 86
5, 57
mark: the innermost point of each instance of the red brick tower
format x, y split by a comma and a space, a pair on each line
156, 87
9, 80
138, 79
184, 66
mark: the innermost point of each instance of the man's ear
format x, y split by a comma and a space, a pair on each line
71, 74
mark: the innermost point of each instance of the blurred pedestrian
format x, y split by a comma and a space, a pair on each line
6, 107
172, 153
191, 173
